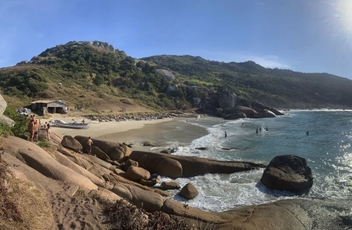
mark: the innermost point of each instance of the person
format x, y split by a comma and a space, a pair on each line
36, 131
89, 143
83, 121
307, 133
48, 131
225, 134
256, 131
31, 129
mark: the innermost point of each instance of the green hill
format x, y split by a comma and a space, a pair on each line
99, 77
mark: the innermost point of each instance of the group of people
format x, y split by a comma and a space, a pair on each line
260, 129
34, 127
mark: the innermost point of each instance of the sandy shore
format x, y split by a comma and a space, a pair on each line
162, 132
98, 129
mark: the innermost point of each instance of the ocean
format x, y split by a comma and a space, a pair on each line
327, 150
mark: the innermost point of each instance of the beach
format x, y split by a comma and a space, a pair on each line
162, 132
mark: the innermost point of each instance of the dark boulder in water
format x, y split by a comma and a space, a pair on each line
288, 172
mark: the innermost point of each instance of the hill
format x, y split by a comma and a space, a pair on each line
98, 77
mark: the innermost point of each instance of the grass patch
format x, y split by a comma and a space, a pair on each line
43, 144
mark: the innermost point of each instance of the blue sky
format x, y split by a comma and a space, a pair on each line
301, 35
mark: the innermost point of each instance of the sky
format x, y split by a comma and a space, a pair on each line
312, 36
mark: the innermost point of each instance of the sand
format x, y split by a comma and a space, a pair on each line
163, 132
98, 129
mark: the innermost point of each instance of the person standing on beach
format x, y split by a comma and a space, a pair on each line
48, 131
89, 143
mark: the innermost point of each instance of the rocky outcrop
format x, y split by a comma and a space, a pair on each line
41, 161
3, 118
115, 151
288, 172
189, 191
39, 167
165, 73
175, 166
71, 143
231, 106
158, 163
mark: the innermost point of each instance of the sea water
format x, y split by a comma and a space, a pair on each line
327, 149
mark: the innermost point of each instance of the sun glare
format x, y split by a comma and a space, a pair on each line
344, 13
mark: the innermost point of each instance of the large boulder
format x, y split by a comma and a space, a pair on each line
246, 110
147, 200
136, 173
260, 106
228, 100
169, 185
6, 120
158, 163
288, 172
3, 118
263, 114
71, 143
115, 151
3, 105
189, 191
175, 166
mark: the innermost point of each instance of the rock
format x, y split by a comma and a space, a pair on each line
96, 160
136, 173
6, 120
149, 183
166, 151
228, 100
150, 143
147, 200
115, 151
44, 163
288, 172
189, 191
263, 114
175, 166
68, 163
130, 163
99, 153
173, 207
246, 110
159, 163
3, 105
122, 191
169, 185
71, 143
202, 148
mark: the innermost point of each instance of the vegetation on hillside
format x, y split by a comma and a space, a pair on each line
93, 73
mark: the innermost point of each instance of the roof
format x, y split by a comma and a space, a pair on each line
47, 101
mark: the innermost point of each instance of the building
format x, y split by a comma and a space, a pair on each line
49, 106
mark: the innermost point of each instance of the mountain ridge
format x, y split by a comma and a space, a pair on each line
94, 73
